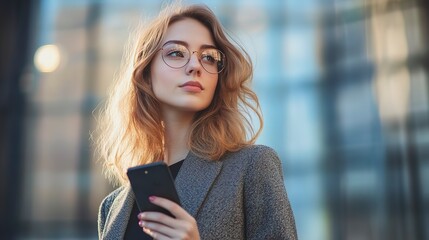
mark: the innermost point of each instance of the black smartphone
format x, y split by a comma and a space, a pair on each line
152, 179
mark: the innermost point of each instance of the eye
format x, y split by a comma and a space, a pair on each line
208, 59
175, 53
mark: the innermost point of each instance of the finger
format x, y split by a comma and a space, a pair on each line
157, 227
171, 206
157, 217
177, 226
156, 235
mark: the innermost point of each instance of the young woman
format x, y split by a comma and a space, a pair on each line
187, 102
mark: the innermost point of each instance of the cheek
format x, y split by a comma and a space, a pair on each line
160, 87
212, 89
158, 77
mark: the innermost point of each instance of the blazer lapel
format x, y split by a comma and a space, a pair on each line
117, 219
194, 180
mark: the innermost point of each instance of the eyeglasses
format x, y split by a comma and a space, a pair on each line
176, 55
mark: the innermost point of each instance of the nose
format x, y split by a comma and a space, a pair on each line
194, 65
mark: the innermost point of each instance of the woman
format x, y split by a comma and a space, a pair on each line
186, 103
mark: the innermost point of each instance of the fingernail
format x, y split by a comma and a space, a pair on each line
152, 198
141, 223
140, 215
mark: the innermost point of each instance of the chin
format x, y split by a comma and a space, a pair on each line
189, 105
194, 109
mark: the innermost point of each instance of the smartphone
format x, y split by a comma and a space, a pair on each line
152, 179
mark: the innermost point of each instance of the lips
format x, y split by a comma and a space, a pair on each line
192, 84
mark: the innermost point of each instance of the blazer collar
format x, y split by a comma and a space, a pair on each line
193, 182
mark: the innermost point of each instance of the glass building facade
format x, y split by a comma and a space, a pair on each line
343, 86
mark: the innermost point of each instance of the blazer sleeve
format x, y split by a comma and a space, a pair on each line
102, 215
104, 209
268, 214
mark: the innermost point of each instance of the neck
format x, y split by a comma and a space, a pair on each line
177, 127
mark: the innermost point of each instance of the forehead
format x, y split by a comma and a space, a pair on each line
191, 31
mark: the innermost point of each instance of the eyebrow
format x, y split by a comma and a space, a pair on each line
204, 46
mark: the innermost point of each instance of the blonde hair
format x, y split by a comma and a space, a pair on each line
131, 131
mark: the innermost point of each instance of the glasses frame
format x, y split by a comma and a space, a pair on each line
190, 55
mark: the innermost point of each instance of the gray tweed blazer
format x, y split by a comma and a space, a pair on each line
242, 196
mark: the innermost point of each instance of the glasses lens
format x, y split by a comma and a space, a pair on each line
175, 55
212, 60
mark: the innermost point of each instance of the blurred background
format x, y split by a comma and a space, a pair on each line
343, 84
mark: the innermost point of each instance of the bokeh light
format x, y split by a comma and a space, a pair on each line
47, 58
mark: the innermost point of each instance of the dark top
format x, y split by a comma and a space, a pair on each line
134, 231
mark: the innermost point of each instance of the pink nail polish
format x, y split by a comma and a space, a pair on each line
152, 198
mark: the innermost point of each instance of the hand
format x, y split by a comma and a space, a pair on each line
161, 226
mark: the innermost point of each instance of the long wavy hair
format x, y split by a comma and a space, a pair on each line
131, 130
